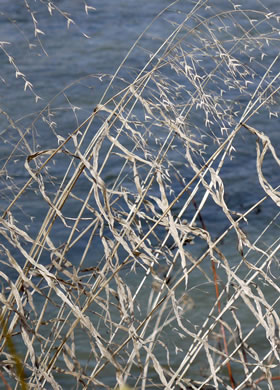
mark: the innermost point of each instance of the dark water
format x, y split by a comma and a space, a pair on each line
67, 56
70, 56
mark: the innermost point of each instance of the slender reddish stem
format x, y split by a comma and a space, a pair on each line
215, 276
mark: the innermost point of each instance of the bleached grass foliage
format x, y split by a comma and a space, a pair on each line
132, 267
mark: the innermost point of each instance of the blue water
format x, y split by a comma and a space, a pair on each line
82, 68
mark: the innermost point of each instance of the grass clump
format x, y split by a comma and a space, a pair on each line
123, 269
